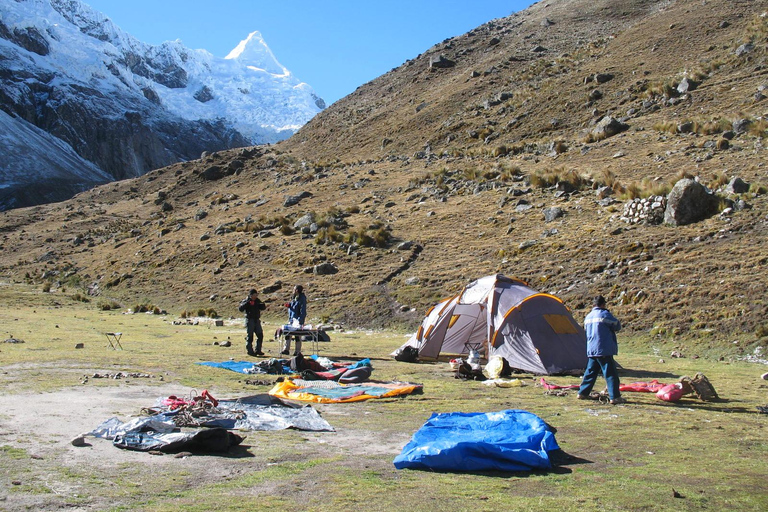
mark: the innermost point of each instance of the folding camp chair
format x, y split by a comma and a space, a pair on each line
114, 339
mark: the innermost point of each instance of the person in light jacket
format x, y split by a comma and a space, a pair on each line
297, 313
601, 327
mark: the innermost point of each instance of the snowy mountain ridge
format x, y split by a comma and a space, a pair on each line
70, 71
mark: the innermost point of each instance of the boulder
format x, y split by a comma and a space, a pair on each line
440, 61
303, 222
294, 200
688, 202
737, 186
553, 213
608, 127
324, 269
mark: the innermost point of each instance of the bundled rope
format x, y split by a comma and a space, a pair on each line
189, 410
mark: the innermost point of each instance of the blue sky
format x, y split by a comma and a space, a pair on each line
334, 46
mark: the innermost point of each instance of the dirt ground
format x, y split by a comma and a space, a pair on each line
44, 425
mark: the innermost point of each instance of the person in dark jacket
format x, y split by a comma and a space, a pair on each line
601, 327
297, 314
252, 307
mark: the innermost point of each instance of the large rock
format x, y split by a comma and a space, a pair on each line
688, 202
440, 61
737, 186
608, 127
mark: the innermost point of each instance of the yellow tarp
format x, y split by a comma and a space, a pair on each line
343, 392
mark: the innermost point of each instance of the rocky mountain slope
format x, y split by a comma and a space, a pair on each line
127, 107
516, 148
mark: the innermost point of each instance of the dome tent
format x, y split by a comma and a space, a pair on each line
535, 332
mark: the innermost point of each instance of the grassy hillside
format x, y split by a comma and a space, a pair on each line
462, 161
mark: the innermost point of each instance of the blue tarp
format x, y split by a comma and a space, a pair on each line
235, 366
511, 440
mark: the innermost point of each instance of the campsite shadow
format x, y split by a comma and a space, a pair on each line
721, 405
560, 461
646, 375
234, 452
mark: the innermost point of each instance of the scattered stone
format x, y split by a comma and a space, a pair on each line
440, 61
550, 214
411, 281
323, 269
225, 343
737, 186
602, 78
744, 49
608, 127
182, 455
603, 192
685, 86
80, 345
218, 323
676, 354
13, 340
294, 200
79, 441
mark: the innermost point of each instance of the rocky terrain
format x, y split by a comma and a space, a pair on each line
543, 146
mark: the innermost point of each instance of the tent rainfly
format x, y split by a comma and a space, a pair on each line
497, 315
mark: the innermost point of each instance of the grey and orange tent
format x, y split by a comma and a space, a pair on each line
497, 315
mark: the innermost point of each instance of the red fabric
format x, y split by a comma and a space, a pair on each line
547, 385
642, 387
670, 393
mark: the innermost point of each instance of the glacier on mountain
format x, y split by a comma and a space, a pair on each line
129, 107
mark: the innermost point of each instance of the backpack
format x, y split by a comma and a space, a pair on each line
408, 355
465, 372
298, 364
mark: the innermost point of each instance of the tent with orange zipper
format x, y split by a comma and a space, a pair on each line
497, 315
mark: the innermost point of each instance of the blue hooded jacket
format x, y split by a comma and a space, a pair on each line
298, 309
601, 327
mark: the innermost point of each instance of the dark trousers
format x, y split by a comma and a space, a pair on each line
253, 326
595, 366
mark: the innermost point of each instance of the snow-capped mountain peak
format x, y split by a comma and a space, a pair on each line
129, 107
254, 53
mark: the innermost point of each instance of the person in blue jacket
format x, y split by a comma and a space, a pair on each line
297, 310
601, 327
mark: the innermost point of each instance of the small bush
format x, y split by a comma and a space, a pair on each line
46, 287
79, 297
201, 312
758, 189
718, 180
211, 313
107, 305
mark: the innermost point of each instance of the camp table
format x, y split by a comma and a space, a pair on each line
114, 339
310, 335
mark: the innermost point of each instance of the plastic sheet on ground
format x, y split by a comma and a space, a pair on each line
510, 440
257, 412
333, 392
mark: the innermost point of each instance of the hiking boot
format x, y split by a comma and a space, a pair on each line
252, 353
618, 400
582, 397
285, 352
260, 353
